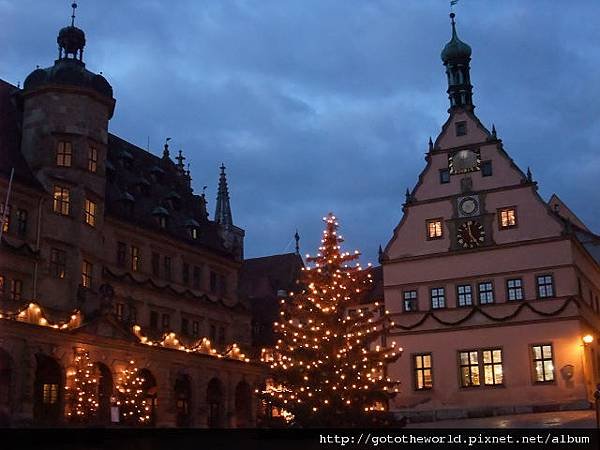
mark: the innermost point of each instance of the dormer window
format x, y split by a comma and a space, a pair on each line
127, 159
162, 216
193, 228
174, 199
157, 174
127, 200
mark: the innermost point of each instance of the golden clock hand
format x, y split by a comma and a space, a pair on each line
470, 232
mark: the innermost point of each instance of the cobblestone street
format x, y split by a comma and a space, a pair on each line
557, 419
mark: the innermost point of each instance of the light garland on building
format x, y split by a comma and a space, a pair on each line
203, 345
33, 313
325, 359
82, 388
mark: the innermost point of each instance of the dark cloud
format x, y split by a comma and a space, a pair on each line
319, 105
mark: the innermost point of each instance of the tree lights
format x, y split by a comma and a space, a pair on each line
82, 393
325, 365
133, 406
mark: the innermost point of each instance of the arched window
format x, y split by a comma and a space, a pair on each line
183, 397
215, 399
48, 390
243, 405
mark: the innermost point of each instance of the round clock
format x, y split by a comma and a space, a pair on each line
470, 234
468, 206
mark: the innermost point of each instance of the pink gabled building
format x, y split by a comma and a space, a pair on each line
491, 288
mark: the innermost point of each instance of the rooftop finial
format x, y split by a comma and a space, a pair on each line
180, 158
166, 148
297, 238
74, 6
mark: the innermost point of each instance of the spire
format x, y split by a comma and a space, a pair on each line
494, 131
223, 209
166, 148
430, 144
297, 238
380, 254
71, 40
456, 56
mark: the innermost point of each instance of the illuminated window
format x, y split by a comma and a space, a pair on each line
62, 200
543, 364
469, 369
438, 298
50, 394
410, 301
465, 295
16, 289
86, 274
93, 159
514, 289
90, 212
507, 217
486, 293
64, 154
5, 217
21, 222
492, 367
58, 263
136, 260
434, 229
422, 366
545, 286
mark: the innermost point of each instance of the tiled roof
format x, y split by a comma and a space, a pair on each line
264, 276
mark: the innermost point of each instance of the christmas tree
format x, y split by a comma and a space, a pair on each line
133, 407
83, 392
329, 364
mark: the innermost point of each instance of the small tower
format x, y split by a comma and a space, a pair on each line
456, 56
233, 236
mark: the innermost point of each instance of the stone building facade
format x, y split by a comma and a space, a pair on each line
494, 292
105, 232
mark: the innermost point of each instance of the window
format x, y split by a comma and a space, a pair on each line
166, 321
64, 154
196, 278
507, 217
162, 221
155, 264
16, 289
221, 335
90, 212
222, 285
153, 320
58, 263
213, 282
195, 328
514, 289
62, 200
434, 229
121, 253
86, 274
93, 159
410, 301
545, 286
136, 260
438, 298
194, 232
543, 364
472, 362
2, 281
213, 333
486, 293
486, 168
21, 222
132, 314
50, 394
167, 268
422, 367
185, 327
461, 128
120, 311
444, 176
464, 295
6, 219
185, 273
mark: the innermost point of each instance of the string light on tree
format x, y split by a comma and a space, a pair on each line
328, 370
83, 389
133, 407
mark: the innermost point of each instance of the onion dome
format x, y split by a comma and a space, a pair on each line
455, 49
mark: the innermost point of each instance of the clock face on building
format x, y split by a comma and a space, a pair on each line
468, 206
464, 161
470, 234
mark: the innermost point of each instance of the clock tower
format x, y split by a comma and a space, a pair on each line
490, 287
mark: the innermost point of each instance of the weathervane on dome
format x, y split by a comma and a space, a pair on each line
74, 6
